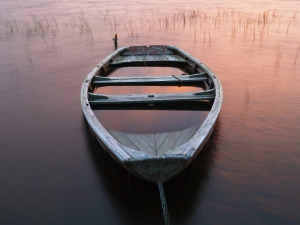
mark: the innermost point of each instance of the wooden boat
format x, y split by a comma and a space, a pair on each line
154, 157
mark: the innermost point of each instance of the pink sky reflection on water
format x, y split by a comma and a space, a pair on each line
148, 121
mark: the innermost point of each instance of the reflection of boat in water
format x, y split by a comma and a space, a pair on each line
160, 156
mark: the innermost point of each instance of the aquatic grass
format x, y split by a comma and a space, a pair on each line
278, 57
246, 92
297, 53
131, 30
288, 26
9, 25
253, 27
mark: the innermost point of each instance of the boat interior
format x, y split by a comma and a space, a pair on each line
149, 56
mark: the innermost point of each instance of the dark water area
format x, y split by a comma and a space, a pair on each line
52, 169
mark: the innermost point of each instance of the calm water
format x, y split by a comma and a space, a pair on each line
51, 168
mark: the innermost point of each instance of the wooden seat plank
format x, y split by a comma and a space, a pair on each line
95, 99
151, 80
146, 58
184, 106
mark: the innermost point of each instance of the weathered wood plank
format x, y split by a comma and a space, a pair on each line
123, 139
134, 153
168, 143
151, 80
185, 106
157, 50
150, 139
151, 50
145, 78
175, 58
146, 58
121, 59
156, 144
141, 144
159, 139
138, 50
186, 135
150, 98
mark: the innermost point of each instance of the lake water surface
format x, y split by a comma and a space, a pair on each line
53, 171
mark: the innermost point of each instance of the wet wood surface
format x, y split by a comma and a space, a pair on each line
95, 99
151, 80
154, 144
147, 58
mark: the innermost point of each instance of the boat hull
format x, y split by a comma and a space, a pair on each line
172, 160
